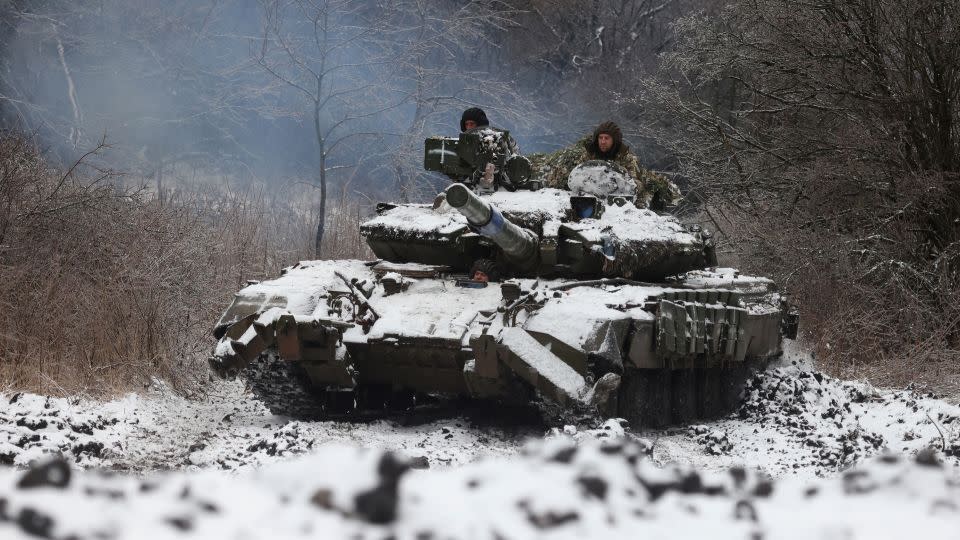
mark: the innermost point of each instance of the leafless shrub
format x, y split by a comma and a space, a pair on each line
103, 287
894, 322
824, 138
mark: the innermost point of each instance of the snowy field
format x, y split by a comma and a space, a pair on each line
805, 456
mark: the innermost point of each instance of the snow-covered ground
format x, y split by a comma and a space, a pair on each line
804, 456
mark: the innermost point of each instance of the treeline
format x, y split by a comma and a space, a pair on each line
820, 139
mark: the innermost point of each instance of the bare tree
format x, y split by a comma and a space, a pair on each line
335, 58
864, 92
590, 48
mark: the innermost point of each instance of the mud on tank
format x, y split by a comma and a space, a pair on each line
582, 303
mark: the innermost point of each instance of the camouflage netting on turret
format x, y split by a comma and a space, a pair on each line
654, 258
414, 222
553, 169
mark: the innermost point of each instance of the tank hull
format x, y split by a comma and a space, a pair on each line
678, 349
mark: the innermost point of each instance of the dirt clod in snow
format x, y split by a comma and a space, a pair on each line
600, 486
35, 523
714, 442
54, 472
379, 504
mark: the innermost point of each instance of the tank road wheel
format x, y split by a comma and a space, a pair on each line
642, 400
372, 398
653, 398
286, 390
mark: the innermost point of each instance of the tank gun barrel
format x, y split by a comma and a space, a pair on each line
520, 245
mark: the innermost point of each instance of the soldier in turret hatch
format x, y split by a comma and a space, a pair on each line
606, 143
475, 118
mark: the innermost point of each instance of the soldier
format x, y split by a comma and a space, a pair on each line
606, 143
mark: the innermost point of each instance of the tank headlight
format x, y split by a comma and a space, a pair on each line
585, 207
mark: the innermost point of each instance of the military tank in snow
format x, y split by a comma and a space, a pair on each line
507, 292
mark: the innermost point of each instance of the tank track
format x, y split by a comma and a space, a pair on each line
656, 398
285, 388
647, 398
556, 415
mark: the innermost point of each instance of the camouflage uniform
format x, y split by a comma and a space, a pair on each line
554, 168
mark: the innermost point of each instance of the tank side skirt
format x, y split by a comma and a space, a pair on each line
691, 361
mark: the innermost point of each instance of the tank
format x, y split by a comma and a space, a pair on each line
579, 301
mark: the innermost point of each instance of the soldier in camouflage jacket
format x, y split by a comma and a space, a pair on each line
553, 169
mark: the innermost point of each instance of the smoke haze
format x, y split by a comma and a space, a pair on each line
230, 87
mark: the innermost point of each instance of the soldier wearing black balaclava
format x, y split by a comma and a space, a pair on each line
475, 118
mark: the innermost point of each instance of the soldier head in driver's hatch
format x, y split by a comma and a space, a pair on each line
473, 118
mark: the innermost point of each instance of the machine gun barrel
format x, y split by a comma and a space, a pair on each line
520, 245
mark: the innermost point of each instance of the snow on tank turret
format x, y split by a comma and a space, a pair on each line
506, 291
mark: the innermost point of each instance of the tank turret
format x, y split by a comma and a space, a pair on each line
597, 232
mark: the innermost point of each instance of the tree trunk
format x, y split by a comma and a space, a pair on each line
322, 214
159, 175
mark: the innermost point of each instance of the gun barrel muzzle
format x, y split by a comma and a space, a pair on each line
518, 244
476, 210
